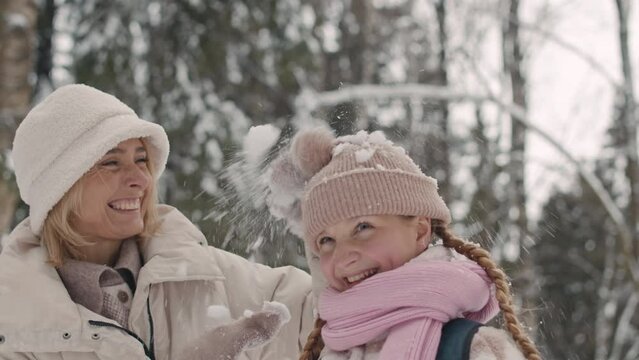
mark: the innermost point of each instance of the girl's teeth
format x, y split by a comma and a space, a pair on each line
365, 274
126, 204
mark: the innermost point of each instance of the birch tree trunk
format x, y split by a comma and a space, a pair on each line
615, 329
512, 58
517, 229
361, 53
629, 118
17, 43
430, 139
442, 79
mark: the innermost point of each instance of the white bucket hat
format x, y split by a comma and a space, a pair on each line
65, 135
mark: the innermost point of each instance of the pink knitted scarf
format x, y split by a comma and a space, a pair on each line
410, 304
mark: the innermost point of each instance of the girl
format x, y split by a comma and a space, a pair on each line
367, 214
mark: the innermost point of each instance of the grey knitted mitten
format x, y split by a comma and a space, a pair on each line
226, 342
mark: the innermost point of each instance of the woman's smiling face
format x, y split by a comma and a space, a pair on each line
357, 248
113, 194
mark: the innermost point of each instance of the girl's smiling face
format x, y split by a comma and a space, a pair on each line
357, 248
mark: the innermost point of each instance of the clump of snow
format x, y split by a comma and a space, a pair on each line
258, 141
287, 207
16, 20
399, 150
363, 138
248, 313
365, 143
284, 200
257, 244
338, 149
378, 138
360, 138
363, 155
285, 184
278, 308
219, 313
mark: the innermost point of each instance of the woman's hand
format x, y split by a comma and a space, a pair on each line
226, 342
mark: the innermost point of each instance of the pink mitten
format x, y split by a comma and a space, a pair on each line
227, 341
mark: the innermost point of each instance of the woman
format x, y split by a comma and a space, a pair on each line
99, 270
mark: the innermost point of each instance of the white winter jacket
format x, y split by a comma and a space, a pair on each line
181, 277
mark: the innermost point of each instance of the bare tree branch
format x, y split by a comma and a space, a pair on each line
603, 326
623, 324
583, 55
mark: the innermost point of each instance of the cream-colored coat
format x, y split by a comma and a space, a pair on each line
180, 279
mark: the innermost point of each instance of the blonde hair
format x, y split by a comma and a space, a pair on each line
63, 241
314, 344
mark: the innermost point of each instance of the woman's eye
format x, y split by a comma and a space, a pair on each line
363, 226
110, 163
143, 160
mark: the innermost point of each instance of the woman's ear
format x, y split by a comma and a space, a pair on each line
424, 233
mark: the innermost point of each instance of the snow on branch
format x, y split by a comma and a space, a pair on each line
16, 21
380, 92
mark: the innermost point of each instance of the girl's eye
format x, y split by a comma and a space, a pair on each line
324, 241
363, 226
143, 160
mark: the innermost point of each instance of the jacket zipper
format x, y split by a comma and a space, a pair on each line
149, 351
148, 311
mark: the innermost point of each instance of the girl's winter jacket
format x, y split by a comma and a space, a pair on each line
179, 282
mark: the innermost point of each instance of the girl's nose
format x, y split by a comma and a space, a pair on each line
346, 255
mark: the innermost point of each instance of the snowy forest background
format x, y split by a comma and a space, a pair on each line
525, 111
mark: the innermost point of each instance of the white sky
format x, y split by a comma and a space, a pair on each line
568, 99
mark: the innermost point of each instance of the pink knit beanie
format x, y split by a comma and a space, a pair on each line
358, 175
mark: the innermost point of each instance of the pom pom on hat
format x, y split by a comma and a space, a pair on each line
285, 175
311, 150
286, 185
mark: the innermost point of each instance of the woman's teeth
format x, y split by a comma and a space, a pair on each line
362, 276
126, 204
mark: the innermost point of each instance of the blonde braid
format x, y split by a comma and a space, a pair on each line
496, 274
314, 343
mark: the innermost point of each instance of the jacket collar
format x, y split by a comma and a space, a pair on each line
84, 280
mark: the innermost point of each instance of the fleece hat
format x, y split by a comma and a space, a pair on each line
65, 135
358, 175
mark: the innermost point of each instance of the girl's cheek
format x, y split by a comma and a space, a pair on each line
377, 249
325, 266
